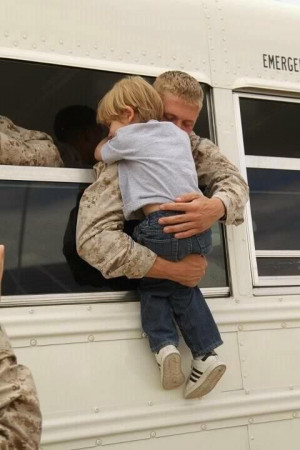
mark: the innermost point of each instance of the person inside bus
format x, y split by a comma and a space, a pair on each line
77, 134
101, 240
20, 415
22, 147
83, 273
155, 167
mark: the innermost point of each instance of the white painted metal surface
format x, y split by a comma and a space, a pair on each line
98, 382
203, 38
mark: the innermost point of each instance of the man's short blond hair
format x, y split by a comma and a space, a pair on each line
131, 91
180, 84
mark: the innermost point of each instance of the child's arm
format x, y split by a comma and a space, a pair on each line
115, 148
98, 153
110, 150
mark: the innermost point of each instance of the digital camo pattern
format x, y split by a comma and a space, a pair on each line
100, 238
218, 177
20, 417
21, 147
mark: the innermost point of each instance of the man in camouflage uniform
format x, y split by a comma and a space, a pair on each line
20, 416
21, 147
100, 237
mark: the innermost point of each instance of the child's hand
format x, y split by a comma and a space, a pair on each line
97, 153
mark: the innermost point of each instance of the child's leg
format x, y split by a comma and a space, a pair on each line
157, 320
156, 313
158, 324
195, 320
202, 337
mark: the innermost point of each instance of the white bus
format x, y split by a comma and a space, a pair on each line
97, 380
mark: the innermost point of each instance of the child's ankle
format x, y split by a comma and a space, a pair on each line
204, 357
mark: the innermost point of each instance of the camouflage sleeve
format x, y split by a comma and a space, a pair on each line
21, 147
20, 416
218, 177
100, 238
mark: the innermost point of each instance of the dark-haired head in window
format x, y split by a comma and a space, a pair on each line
77, 135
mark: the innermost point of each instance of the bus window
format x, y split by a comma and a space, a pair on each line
38, 219
271, 145
38, 223
270, 128
59, 104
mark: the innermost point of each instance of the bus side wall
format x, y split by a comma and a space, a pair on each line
97, 380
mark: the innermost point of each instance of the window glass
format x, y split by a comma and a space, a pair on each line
40, 243
61, 102
216, 274
278, 267
270, 128
38, 222
202, 126
275, 208
38, 219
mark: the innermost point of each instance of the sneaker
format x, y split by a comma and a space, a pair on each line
169, 362
205, 374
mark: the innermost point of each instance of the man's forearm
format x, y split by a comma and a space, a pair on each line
218, 210
188, 271
115, 254
100, 238
103, 244
161, 268
221, 179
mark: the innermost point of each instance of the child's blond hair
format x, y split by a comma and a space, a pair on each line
180, 84
131, 91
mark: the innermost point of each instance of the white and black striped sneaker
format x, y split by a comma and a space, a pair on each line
169, 362
205, 374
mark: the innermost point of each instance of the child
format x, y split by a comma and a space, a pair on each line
156, 166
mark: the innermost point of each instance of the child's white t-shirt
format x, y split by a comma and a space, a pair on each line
155, 164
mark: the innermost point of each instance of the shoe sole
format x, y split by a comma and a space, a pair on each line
172, 375
209, 383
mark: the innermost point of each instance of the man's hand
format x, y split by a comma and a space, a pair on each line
199, 213
189, 271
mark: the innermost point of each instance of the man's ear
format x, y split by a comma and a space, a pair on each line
128, 115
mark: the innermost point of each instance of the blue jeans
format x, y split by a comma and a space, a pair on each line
165, 302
